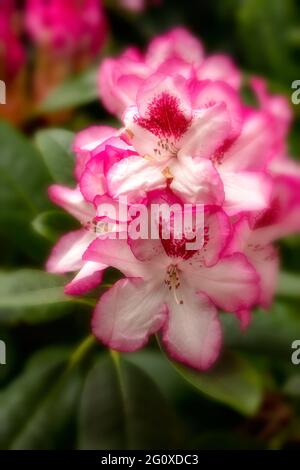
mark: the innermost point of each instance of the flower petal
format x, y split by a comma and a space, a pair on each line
232, 284
282, 217
251, 150
134, 177
67, 254
177, 43
207, 132
245, 191
220, 67
86, 141
266, 262
89, 277
116, 253
72, 201
128, 313
192, 333
205, 94
196, 181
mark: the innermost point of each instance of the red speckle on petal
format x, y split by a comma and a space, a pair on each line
220, 152
269, 216
164, 117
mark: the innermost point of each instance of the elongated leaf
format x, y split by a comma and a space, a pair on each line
122, 408
289, 285
55, 147
75, 91
21, 397
23, 171
31, 295
52, 224
159, 368
233, 381
270, 333
51, 422
266, 22
23, 183
38, 409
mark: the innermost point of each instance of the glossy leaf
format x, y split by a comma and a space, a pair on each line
52, 224
233, 381
55, 148
270, 333
31, 295
122, 408
23, 184
75, 91
19, 399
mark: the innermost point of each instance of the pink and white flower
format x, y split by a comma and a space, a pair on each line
66, 255
173, 290
191, 137
176, 52
187, 138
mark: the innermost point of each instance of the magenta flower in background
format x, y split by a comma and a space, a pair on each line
138, 5
67, 26
12, 53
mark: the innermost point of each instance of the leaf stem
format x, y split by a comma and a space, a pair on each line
81, 351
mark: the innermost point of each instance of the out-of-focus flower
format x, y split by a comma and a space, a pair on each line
12, 54
138, 5
12, 60
67, 26
176, 52
67, 35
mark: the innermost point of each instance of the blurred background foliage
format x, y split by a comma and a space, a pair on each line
59, 388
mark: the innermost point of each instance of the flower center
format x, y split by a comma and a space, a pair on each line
96, 226
172, 282
164, 118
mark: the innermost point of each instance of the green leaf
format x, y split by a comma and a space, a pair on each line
52, 224
75, 91
233, 381
292, 386
19, 399
289, 285
55, 147
23, 183
226, 439
159, 368
270, 333
122, 408
22, 172
38, 409
266, 22
31, 295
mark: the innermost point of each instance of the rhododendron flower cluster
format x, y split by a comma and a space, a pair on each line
186, 138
